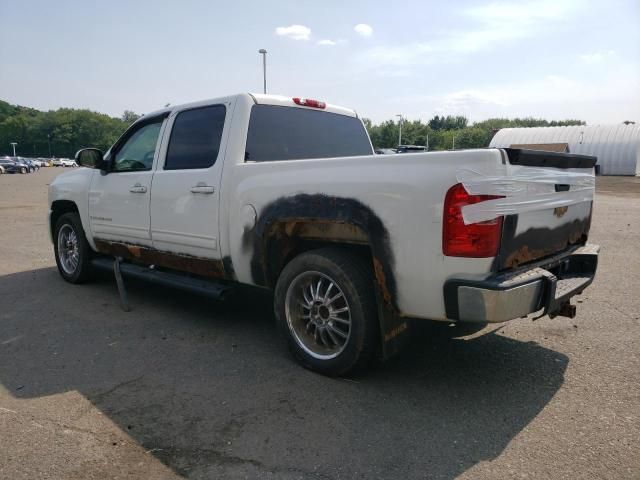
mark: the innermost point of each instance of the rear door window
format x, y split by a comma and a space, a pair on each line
195, 138
289, 133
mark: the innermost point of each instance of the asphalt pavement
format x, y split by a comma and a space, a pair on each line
185, 387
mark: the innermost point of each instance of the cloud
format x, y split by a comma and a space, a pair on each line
398, 56
294, 32
492, 25
467, 100
502, 22
363, 29
326, 42
525, 12
596, 57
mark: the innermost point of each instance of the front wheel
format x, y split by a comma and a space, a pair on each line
72, 251
23, 170
325, 307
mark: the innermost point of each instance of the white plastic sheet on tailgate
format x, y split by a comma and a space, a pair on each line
524, 189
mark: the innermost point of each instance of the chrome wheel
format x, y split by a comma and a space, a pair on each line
318, 315
68, 251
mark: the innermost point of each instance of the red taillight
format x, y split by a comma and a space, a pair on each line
307, 102
475, 240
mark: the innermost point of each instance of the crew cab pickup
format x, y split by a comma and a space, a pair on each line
287, 194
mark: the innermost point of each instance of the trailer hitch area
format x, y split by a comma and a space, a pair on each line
565, 310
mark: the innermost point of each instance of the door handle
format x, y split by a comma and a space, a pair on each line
206, 189
137, 188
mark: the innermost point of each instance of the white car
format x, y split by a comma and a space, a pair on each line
66, 162
287, 194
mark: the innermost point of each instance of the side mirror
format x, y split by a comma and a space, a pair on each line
89, 157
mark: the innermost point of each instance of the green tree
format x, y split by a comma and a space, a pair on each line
64, 130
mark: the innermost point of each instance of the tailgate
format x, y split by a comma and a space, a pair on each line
545, 201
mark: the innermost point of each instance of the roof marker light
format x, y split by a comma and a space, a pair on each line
307, 102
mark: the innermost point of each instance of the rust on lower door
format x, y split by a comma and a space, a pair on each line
205, 267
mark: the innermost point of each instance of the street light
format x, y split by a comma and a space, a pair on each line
49, 142
263, 52
13, 144
400, 132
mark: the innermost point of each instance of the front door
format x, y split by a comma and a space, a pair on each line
186, 186
119, 199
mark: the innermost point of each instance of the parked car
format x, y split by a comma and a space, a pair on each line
57, 162
8, 166
32, 164
39, 162
67, 162
286, 194
385, 151
13, 165
410, 148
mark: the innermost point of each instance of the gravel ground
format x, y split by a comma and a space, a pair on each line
188, 387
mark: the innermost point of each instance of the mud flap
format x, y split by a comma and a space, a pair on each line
394, 329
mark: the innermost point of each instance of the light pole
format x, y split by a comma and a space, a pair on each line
453, 147
400, 130
49, 142
263, 52
13, 144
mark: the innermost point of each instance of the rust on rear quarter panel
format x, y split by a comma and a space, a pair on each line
286, 222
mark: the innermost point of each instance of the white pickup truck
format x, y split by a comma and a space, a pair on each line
287, 194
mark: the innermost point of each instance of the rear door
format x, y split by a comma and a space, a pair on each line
119, 200
186, 187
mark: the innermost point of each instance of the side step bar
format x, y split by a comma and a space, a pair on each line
197, 285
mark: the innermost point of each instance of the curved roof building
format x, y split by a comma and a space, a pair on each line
616, 146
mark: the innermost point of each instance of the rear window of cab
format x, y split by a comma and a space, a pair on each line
290, 133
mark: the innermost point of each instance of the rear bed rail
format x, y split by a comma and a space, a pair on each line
539, 158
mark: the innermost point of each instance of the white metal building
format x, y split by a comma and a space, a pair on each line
616, 146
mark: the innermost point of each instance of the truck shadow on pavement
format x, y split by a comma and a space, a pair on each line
208, 389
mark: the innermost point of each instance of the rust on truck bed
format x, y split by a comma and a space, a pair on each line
537, 243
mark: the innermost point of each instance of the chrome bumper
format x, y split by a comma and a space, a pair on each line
545, 286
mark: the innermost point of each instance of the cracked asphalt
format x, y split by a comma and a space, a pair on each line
185, 387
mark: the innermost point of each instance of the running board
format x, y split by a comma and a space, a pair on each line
196, 285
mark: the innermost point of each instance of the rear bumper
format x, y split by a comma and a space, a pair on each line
546, 286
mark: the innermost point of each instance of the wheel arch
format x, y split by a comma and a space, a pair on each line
292, 225
59, 208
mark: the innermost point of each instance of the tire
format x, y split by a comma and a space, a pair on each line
320, 334
80, 270
23, 170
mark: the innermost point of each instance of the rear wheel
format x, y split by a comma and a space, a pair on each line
72, 251
23, 170
325, 307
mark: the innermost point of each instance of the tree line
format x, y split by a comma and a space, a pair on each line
60, 133
448, 132
57, 133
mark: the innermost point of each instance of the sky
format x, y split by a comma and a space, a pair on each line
553, 59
